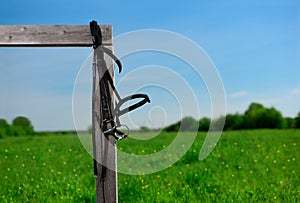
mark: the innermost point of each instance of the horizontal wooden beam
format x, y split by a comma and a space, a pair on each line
51, 35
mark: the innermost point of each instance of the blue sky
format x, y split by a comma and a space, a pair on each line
255, 46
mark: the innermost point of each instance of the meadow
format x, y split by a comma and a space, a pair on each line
246, 166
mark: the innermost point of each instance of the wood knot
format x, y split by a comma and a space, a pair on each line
23, 29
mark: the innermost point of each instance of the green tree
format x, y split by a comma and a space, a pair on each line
218, 124
290, 122
16, 131
254, 107
3, 128
22, 126
186, 124
253, 114
273, 119
3, 123
257, 116
234, 122
204, 124
173, 127
145, 129
189, 124
297, 120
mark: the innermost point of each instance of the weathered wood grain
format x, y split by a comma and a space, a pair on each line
51, 35
104, 147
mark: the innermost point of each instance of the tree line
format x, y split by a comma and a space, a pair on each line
255, 117
19, 126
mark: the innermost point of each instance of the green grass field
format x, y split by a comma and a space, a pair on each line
246, 166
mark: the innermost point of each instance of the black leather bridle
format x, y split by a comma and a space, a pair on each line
111, 117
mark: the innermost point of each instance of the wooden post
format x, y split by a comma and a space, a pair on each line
104, 147
77, 36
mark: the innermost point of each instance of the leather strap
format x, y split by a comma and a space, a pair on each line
109, 126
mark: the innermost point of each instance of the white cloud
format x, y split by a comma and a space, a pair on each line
238, 94
295, 91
